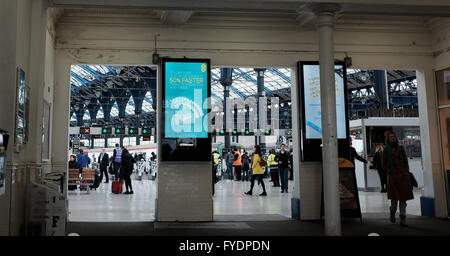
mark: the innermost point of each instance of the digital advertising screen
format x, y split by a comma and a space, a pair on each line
186, 87
313, 113
186, 93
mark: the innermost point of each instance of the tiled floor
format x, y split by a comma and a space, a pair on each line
103, 206
229, 200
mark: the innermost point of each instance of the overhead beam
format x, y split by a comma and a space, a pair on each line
175, 17
435, 8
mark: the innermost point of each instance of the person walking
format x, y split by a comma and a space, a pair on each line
377, 164
237, 164
272, 164
230, 160
117, 159
245, 166
103, 160
399, 187
257, 170
283, 167
127, 166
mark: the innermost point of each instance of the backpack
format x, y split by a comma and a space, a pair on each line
244, 160
262, 162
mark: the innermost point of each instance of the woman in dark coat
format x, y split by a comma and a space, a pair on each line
399, 187
126, 169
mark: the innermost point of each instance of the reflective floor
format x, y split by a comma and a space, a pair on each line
103, 206
229, 200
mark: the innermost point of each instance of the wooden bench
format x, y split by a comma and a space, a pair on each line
87, 177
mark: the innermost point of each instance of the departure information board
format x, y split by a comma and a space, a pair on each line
186, 92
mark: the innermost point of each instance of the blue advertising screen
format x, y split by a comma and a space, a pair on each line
313, 114
186, 93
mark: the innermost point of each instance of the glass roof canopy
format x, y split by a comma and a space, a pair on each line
82, 75
244, 81
244, 84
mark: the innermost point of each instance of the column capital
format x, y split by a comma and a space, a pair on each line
258, 70
325, 9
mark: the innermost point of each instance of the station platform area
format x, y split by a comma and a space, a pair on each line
230, 205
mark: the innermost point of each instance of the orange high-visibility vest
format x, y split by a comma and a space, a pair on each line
238, 161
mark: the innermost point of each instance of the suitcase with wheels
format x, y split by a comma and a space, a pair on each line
117, 187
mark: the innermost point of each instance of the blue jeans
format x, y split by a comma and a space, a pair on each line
230, 171
402, 207
245, 175
284, 172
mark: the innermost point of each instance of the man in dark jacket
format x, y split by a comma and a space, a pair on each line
103, 160
283, 157
126, 169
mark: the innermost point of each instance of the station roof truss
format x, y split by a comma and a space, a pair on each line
106, 85
402, 88
109, 86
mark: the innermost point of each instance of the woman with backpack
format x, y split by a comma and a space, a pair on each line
257, 168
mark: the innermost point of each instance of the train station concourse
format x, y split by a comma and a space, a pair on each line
225, 118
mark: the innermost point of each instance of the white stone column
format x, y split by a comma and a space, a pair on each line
433, 201
61, 110
325, 20
36, 82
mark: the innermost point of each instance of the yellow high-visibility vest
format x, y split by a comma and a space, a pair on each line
271, 160
216, 158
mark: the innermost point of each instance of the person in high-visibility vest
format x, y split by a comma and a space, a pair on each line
216, 157
237, 164
272, 163
215, 164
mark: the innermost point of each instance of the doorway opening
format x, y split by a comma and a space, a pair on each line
112, 106
239, 87
382, 101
